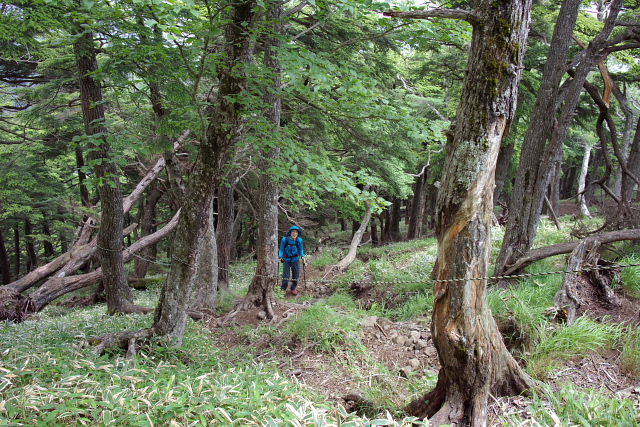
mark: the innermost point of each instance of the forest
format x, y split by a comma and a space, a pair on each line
464, 175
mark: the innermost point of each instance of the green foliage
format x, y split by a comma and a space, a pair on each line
631, 275
563, 343
571, 406
326, 328
630, 357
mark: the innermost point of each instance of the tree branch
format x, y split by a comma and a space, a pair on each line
464, 15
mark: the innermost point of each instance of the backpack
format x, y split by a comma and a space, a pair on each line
292, 248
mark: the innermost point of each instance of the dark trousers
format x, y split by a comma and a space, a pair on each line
291, 268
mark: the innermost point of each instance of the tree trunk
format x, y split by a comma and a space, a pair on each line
147, 227
260, 292
32, 258
416, 218
633, 164
345, 262
49, 251
207, 276
5, 266
536, 155
582, 178
474, 359
110, 238
225, 128
16, 249
224, 233
502, 167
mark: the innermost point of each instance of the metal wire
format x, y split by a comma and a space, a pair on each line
424, 278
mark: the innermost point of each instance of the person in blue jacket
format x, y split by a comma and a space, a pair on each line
291, 251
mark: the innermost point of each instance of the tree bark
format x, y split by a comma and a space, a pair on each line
5, 266
260, 292
416, 218
223, 132
207, 276
110, 239
536, 158
474, 359
582, 178
224, 232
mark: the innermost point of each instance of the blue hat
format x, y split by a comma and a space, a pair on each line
295, 227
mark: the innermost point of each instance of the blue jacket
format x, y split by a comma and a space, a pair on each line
288, 245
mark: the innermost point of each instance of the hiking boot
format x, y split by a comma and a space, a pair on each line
294, 292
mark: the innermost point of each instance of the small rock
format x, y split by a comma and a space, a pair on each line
415, 336
384, 322
369, 322
414, 363
399, 340
262, 315
406, 371
420, 344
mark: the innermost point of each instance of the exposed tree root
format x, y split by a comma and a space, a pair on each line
125, 340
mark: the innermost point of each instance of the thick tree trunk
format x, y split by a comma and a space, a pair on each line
225, 128
633, 164
207, 276
536, 155
49, 251
474, 359
260, 292
110, 238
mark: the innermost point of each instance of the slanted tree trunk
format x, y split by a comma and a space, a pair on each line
474, 359
345, 262
582, 178
110, 238
147, 227
536, 155
225, 128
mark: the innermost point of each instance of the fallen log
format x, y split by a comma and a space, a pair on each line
567, 247
58, 286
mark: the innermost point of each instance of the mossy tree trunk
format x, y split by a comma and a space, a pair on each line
224, 131
110, 238
474, 359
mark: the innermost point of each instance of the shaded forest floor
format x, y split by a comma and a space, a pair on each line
397, 362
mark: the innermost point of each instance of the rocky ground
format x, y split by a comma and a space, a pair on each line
403, 355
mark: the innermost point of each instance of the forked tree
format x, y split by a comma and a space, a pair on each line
475, 361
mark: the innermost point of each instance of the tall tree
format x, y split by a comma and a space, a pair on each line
224, 130
110, 241
546, 133
474, 359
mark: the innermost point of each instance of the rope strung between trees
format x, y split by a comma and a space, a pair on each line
426, 278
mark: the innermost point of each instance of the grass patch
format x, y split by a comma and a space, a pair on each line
631, 275
630, 358
573, 407
563, 343
325, 327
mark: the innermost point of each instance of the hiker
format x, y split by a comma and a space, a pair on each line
291, 250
